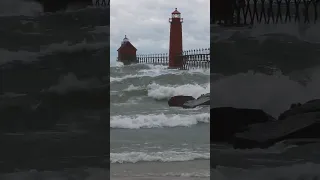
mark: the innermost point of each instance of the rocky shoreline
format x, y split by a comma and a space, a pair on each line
253, 128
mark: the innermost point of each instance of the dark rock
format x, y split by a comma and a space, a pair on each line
310, 106
202, 100
252, 128
179, 100
295, 105
227, 121
263, 135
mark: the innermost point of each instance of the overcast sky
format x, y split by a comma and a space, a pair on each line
145, 22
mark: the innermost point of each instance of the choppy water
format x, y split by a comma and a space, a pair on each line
149, 138
267, 67
54, 93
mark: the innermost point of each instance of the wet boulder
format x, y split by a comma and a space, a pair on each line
299, 124
227, 121
202, 100
299, 127
297, 108
179, 100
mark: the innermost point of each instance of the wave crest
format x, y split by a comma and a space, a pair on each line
157, 120
166, 156
160, 92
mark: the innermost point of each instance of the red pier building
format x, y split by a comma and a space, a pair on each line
127, 53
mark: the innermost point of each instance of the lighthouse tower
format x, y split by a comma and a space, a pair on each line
175, 44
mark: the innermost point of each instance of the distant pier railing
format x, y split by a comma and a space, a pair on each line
157, 59
197, 58
246, 12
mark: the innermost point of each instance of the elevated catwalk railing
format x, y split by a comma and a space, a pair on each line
190, 59
246, 12
101, 3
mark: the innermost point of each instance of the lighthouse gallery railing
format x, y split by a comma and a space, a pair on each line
270, 11
197, 58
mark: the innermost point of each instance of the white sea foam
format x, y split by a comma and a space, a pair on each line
158, 70
201, 174
160, 92
307, 171
164, 156
183, 175
158, 120
116, 64
118, 79
200, 71
131, 87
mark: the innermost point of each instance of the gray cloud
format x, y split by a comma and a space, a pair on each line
145, 22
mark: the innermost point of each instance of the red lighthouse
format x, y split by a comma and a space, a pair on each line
127, 52
175, 44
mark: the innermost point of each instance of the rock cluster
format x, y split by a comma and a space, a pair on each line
253, 128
